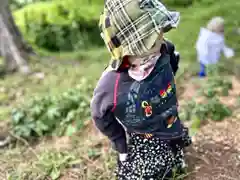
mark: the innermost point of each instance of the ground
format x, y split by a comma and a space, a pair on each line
215, 153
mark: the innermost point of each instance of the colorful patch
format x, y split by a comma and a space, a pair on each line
164, 92
169, 88
147, 108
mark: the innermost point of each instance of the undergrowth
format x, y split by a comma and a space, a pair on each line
210, 107
62, 114
48, 165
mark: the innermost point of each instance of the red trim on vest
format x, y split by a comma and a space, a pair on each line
115, 92
125, 63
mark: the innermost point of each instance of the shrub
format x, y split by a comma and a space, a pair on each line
73, 24
213, 109
63, 114
16, 4
60, 25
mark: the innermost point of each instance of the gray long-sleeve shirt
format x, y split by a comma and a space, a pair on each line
102, 105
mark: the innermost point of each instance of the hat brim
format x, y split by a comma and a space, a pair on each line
145, 27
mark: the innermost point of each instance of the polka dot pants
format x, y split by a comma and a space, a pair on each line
152, 158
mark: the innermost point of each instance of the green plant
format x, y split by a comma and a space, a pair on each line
217, 83
52, 163
16, 4
186, 111
216, 86
49, 164
213, 109
210, 107
62, 114
60, 25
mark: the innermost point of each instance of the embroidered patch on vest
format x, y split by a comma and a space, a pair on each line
164, 92
147, 108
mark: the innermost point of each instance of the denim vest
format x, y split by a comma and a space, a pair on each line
140, 106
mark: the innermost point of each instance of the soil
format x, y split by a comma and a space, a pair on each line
215, 153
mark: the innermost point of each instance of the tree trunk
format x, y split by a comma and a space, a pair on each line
12, 47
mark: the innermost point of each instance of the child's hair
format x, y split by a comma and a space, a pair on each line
216, 24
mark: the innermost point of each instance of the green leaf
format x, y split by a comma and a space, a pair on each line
70, 116
196, 122
36, 110
225, 91
55, 173
17, 116
53, 113
70, 130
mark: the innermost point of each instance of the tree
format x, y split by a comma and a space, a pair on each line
13, 49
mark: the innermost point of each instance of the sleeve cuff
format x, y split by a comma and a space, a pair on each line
123, 157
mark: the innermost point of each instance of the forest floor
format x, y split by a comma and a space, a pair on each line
215, 153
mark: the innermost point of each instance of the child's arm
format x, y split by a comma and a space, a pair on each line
103, 117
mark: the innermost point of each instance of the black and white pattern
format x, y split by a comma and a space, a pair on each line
152, 158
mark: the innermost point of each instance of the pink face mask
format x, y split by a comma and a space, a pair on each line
140, 72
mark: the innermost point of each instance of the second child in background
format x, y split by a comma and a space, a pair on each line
211, 43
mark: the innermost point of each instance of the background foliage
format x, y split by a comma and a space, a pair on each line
61, 25
58, 115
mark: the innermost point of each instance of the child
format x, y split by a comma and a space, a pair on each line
211, 43
136, 95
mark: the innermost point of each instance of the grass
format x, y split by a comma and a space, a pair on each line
59, 72
45, 161
50, 158
86, 156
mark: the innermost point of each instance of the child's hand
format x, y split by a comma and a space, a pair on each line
228, 52
122, 157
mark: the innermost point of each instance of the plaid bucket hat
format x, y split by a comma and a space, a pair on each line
131, 27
